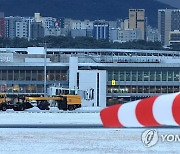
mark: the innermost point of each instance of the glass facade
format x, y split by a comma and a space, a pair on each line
138, 73
20, 81
161, 24
135, 83
166, 75
32, 75
127, 81
142, 89
175, 20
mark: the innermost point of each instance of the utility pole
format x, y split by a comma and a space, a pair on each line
45, 64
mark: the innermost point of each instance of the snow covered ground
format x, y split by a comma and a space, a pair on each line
49, 117
56, 110
74, 140
69, 141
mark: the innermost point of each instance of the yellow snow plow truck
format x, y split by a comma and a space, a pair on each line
2, 102
63, 102
21, 102
15, 102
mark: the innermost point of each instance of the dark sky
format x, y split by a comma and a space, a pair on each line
174, 3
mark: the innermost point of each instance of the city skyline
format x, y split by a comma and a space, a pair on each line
80, 9
133, 28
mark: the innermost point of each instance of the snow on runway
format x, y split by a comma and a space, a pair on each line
49, 117
74, 140
20, 141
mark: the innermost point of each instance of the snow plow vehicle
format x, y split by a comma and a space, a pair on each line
63, 102
22, 102
17, 103
2, 102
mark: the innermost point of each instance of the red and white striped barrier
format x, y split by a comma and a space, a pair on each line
163, 110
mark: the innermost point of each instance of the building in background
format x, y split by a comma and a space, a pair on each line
53, 31
118, 30
81, 28
168, 20
61, 22
174, 37
101, 30
11, 26
121, 36
115, 24
152, 34
114, 34
37, 30
22, 29
129, 35
50, 25
114, 28
18, 27
78, 33
2, 24
137, 21
125, 24
38, 18
130, 74
29, 20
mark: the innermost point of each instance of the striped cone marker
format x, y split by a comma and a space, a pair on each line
163, 110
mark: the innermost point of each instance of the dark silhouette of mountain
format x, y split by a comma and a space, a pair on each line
174, 3
82, 9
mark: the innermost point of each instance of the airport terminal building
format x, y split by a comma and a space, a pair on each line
125, 75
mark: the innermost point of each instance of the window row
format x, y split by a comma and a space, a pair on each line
113, 100
32, 75
143, 89
144, 75
16, 88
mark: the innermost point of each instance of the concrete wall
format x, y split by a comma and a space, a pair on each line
93, 81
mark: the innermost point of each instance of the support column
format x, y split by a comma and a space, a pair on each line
73, 69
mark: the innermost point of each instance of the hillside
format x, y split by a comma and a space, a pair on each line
174, 3
82, 9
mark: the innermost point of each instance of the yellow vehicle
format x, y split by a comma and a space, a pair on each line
3, 102
20, 103
15, 102
64, 102
2, 98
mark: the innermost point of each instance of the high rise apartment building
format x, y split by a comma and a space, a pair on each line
2, 25
18, 27
22, 29
37, 30
101, 30
168, 21
11, 26
137, 20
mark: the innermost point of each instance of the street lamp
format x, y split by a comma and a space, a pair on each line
45, 65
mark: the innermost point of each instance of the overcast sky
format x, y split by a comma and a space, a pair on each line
175, 3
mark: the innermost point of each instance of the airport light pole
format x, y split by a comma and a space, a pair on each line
45, 68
